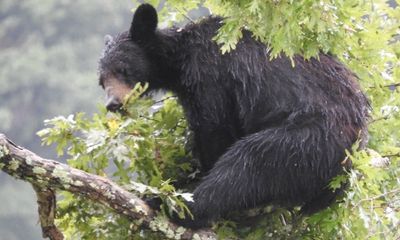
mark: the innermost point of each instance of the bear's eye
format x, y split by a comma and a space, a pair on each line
124, 72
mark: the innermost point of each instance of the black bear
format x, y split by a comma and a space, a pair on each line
266, 132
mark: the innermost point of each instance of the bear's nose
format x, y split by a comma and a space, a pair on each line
113, 104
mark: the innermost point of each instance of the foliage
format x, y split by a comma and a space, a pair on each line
370, 208
148, 146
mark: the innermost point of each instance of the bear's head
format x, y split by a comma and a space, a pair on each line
124, 61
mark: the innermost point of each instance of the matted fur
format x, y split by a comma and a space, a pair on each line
265, 132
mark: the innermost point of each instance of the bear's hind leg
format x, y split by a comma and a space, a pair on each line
283, 166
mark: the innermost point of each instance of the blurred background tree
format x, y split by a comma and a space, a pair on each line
48, 57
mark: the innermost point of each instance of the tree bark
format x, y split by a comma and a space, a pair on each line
46, 199
47, 176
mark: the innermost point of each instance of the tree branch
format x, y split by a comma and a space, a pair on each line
46, 199
49, 175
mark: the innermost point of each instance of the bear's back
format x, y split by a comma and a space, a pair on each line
267, 92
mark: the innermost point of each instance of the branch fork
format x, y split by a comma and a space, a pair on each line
48, 176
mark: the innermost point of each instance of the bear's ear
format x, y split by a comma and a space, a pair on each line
108, 39
144, 22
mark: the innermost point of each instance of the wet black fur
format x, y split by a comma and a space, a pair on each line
265, 132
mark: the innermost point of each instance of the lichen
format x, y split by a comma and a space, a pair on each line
109, 194
78, 183
179, 232
42, 182
170, 233
92, 185
28, 160
14, 165
4, 151
38, 170
140, 209
196, 237
158, 223
161, 224
137, 222
63, 175
132, 201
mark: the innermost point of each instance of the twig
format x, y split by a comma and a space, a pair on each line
392, 155
164, 99
379, 119
47, 174
394, 85
155, 120
396, 190
184, 14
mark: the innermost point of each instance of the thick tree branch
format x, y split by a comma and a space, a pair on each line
49, 175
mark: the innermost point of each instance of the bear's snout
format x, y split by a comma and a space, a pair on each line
113, 104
